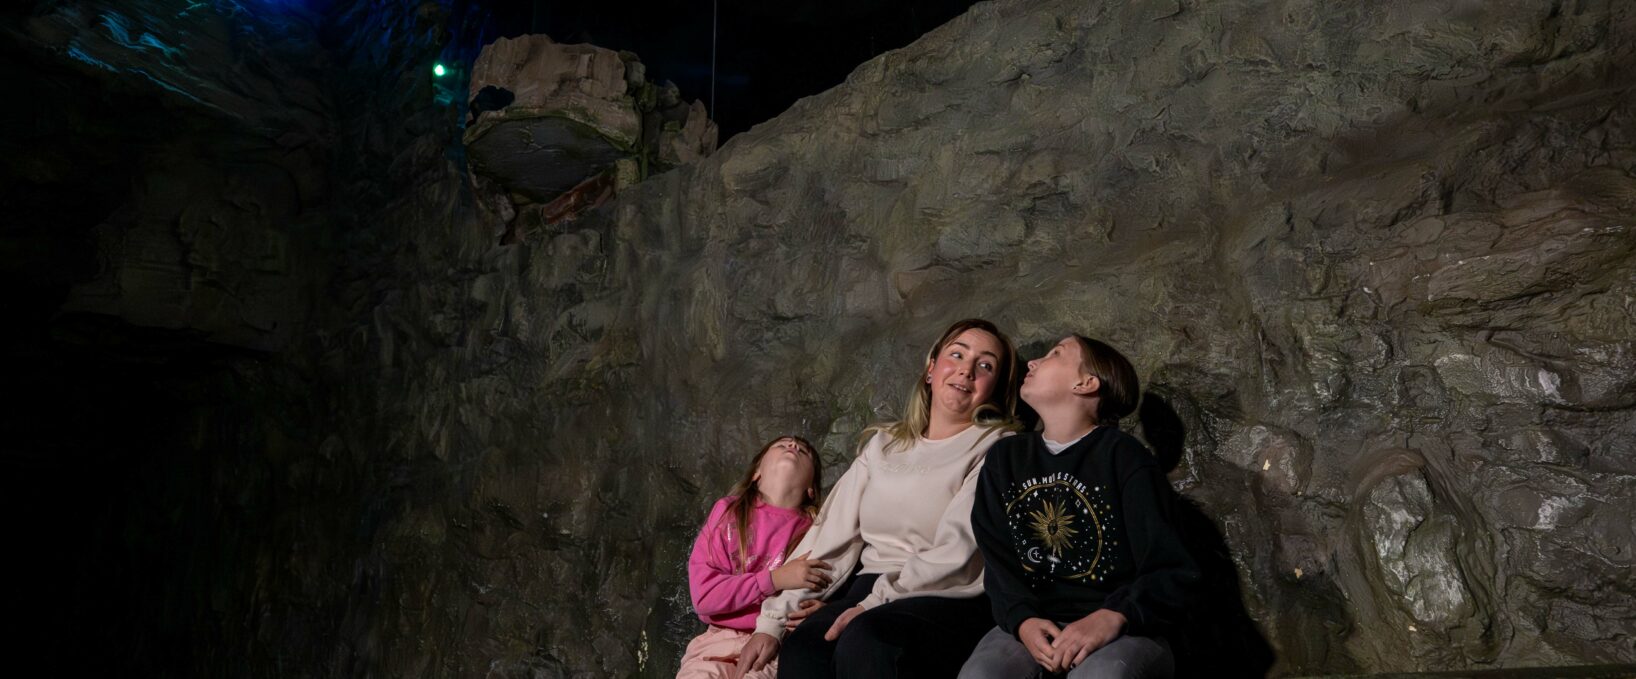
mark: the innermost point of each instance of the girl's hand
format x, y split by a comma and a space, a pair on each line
841, 623
1084, 636
757, 652
801, 573
807, 607
1036, 635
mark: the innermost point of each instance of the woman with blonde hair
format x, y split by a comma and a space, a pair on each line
902, 515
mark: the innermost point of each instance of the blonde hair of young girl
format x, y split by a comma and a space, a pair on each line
1000, 410
746, 492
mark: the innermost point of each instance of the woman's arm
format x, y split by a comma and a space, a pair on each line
833, 539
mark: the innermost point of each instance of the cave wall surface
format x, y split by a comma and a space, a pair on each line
1375, 259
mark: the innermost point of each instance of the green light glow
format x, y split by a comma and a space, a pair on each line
438, 70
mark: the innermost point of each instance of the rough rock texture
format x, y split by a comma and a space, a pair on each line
585, 83
570, 113
1373, 260
1376, 258
570, 117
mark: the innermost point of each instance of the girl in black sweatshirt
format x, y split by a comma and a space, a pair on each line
1083, 565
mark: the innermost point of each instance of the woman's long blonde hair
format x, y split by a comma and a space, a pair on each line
1000, 410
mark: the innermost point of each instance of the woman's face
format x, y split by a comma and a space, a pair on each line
962, 375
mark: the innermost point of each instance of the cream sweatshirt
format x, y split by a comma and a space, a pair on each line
905, 514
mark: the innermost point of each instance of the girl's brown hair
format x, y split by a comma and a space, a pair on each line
999, 411
745, 493
1120, 389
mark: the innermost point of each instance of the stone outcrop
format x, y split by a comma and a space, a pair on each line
1374, 262
569, 118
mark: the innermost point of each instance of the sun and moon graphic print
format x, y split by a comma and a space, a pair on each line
1062, 529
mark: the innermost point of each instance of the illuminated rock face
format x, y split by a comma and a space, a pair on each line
1374, 265
571, 117
567, 116
1374, 262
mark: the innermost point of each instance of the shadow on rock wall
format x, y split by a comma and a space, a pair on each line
1219, 638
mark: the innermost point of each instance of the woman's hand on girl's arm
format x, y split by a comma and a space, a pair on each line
757, 652
801, 573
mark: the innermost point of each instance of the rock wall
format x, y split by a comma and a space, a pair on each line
1373, 260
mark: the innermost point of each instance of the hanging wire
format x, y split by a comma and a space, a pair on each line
713, 14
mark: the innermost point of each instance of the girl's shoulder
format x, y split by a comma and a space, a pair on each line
1126, 441
1126, 451
1002, 430
985, 437
1010, 439
722, 508
1012, 449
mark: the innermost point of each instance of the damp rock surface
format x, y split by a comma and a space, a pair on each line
546, 116
1374, 262
1377, 261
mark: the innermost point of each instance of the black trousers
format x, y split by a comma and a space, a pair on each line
927, 637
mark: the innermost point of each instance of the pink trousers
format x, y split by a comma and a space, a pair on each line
718, 642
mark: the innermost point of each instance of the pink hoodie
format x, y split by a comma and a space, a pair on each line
723, 593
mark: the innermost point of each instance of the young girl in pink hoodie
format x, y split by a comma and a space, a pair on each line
739, 558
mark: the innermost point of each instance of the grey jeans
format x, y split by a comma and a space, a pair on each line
1001, 656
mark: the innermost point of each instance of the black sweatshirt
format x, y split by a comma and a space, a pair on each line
1065, 535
